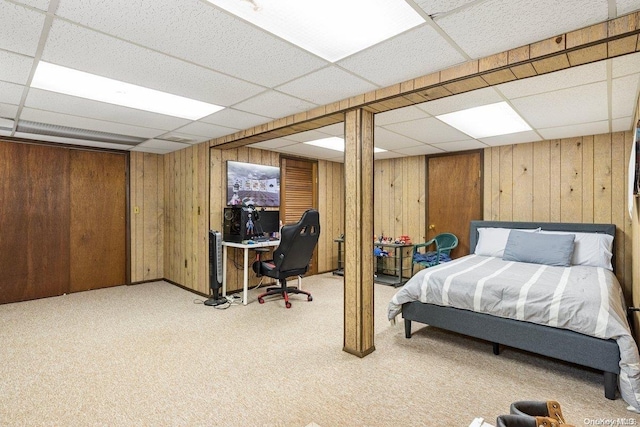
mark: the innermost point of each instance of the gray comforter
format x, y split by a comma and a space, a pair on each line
582, 299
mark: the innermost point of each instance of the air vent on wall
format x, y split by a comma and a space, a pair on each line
76, 133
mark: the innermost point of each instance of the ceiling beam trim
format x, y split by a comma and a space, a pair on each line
597, 42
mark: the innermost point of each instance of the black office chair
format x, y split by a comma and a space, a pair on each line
291, 257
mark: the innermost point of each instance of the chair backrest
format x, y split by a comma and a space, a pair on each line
445, 242
297, 242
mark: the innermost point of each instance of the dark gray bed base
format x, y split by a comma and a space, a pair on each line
562, 344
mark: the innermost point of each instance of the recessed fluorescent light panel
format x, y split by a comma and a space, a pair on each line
331, 29
59, 79
487, 120
335, 143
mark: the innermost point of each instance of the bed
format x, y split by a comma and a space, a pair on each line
481, 309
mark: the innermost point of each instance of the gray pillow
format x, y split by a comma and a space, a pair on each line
537, 248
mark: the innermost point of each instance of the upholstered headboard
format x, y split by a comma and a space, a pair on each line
551, 226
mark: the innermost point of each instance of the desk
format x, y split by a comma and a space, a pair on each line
245, 278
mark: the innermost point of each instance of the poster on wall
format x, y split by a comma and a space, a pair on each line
252, 184
633, 184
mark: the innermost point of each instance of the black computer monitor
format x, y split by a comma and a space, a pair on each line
267, 222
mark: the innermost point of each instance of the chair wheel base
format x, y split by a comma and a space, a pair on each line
309, 298
261, 300
287, 304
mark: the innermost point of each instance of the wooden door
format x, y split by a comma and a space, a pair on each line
98, 220
454, 197
34, 221
298, 192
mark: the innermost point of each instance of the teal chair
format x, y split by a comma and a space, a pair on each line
434, 251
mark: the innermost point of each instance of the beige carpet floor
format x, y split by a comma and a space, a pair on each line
151, 355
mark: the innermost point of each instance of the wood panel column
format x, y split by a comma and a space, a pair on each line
358, 253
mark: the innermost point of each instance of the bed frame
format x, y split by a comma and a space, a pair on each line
562, 344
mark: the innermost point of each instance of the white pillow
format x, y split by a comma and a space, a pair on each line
592, 249
492, 241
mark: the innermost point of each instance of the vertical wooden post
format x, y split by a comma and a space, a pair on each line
358, 252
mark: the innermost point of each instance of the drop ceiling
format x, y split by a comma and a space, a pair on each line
193, 49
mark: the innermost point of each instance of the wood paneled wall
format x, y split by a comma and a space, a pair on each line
147, 216
399, 199
331, 208
567, 180
186, 217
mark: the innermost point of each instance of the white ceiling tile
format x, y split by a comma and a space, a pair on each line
5, 132
420, 150
73, 141
496, 25
232, 118
626, 64
336, 129
310, 151
206, 129
624, 95
38, 4
399, 115
20, 28
310, 135
74, 47
54, 118
513, 138
15, 68
389, 140
622, 124
327, 85
162, 145
570, 77
273, 143
10, 93
429, 131
197, 32
470, 144
8, 110
412, 54
625, 6
581, 129
276, 103
43, 100
581, 104
439, 7
475, 98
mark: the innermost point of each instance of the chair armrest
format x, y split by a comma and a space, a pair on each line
417, 246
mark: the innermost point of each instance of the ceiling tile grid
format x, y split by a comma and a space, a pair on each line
75, 47
15, 68
198, 32
327, 85
54, 118
19, 28
38, 4
43, 100
233, 118
10, 93
496, 26
417, 52
582, 104
571, 131
275, 103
